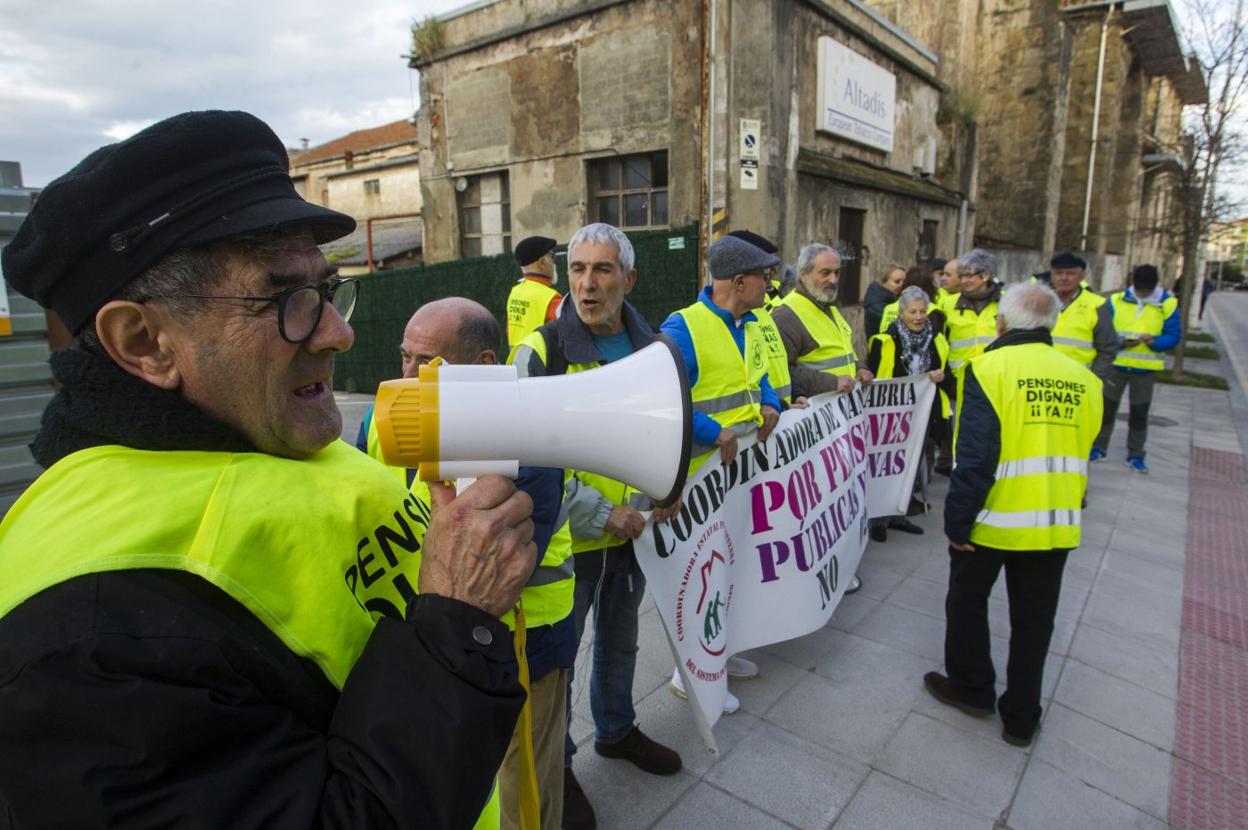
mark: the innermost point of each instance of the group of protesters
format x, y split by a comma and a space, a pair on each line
216, 613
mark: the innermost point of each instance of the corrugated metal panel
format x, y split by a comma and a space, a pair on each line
25, 389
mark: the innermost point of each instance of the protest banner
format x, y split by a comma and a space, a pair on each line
764, 547
897, 411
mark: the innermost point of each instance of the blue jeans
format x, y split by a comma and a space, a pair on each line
610, 586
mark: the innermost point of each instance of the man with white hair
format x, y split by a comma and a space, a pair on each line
1027, 419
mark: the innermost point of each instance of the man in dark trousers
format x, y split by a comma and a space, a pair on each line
209, 615
1027, 419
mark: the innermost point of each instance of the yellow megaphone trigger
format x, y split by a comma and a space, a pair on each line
406, 415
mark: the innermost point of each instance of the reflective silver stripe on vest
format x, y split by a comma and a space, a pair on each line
956, 364
830, 363
549, 575
1072, 341
1141, 357
724, 403
1042, 464
784, 391
967, 342
1019, 519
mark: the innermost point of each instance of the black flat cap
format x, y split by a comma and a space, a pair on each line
1043, 276
532, 248
757, 241
936, 263
191, 179
1066, 259
731, 255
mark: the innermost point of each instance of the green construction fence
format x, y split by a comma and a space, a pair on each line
667, 279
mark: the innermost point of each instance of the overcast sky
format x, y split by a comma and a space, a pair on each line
77, 74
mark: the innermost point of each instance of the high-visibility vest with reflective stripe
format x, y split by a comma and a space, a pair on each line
777, 357
1136, 320
772, 298
969, 333
526, 307
1049, 408
1073, 334
549, 593
614, 491
888, 359
893, 309
834, 353
945, 299
728, 388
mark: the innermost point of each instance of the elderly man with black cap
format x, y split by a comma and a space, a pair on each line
533, 300
209, 614
1085, 326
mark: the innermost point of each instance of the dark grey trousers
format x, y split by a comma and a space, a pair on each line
1140, 386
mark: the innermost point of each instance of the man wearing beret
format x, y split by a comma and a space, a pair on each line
1085, 327
533, 300
209, 613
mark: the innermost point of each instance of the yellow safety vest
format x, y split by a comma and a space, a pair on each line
969, 333
777, 357
614, 491
888, 358
549, 593
729, 384
1135, 320
834, 353
526, 307
1049, 408
319, 584
772, 298
1072, 336
893, 309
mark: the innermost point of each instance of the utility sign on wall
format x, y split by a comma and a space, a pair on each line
857, 97
748, 152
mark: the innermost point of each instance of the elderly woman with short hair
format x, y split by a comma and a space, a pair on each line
911, 345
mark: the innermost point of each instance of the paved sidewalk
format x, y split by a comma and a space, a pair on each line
838, 732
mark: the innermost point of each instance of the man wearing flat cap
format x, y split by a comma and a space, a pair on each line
533, 300
1085, 327
209, 613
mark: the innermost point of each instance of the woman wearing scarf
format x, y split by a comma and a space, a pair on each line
911, 345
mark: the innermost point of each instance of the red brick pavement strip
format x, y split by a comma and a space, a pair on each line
1209, 787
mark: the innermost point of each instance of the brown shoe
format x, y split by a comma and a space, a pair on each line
578, 813
1017, 740
939, 687
646, 754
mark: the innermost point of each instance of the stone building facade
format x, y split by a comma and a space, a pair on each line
538, 116
1024, 75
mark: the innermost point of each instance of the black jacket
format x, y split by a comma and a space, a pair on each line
150, 698
873, 303
978, 447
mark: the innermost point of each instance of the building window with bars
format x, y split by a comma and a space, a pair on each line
372, 187
484, 214
629, 191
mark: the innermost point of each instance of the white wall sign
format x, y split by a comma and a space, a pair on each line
857, 98
749, 174
751, 135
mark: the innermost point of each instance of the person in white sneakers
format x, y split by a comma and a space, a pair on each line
738, 669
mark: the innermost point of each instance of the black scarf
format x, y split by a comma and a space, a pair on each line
100, 403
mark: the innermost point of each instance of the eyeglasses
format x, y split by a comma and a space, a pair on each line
962, 273
299, 308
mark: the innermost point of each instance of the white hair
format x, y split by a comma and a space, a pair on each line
911, 293
806, 257
1029, 305
600, 233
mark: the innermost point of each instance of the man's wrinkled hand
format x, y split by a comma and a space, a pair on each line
966, 548
801, 402
770, 418
625, 522
936, 375
844, 383
664, 514
865, 377
479, 546
727, 443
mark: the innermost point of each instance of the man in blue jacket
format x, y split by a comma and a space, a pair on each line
1147, 321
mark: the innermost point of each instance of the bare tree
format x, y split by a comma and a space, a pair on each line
1218, 32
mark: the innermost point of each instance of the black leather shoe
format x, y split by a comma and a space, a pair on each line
939, 687
879, 533
904, 525
1017, 740
646, 754
578, 813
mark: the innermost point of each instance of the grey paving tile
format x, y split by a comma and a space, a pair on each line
1049, 798
705, 806
851, 609
836, 717
878, 580
884, 803
977, 773
1152, 668
875, 670
788, 777
1114, 702
919, 595
809, 650
904, 629
1122, 766
1125, 620
775, 678
624, 797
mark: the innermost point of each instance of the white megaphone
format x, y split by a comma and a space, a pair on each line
628, 420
